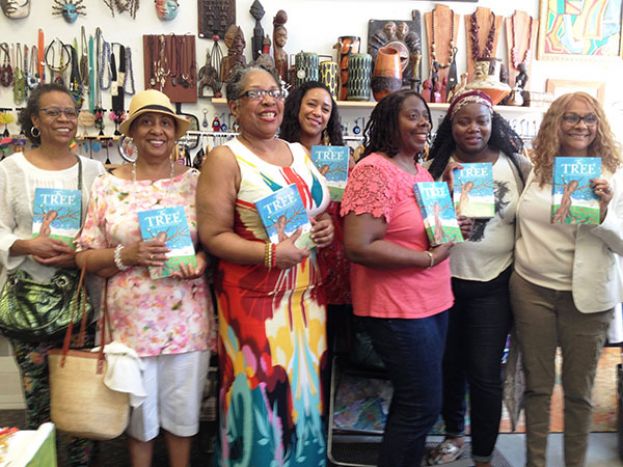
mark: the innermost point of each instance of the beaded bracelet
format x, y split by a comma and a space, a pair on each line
117, 258
267, 255
273, 248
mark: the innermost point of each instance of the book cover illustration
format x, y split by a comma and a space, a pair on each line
56, 214
474, 190
573, 199
332, 163
438, 212
282, 212
171, 226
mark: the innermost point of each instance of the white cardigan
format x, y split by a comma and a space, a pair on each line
596, 282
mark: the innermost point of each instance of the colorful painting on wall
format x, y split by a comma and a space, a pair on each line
571, 29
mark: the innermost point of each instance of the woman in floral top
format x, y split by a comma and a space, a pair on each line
166, 321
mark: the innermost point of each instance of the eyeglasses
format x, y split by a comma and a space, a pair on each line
54, 112
258, 94
573, 119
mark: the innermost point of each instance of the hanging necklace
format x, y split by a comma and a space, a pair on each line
129, 73
75, 83
19, 81
433, 54
6, 71
162, 70
84, 58
515, 49
171, 171
32, 78
488, 50
104, 67
65, 60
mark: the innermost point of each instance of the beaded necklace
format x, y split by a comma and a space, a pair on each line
84, 58
65, 60
171, 171
32, 77
129, 73
19, 81
6, 71
475, 28
75, 83
514, 49
103, 67
433, 54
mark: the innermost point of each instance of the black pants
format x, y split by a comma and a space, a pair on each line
478, 325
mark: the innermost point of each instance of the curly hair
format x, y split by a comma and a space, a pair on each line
382, 132
502, 138
291, 126
32, 108
234, 86
546, 145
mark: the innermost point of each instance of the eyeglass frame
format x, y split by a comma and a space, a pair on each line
70, 113
573, 118
261, 93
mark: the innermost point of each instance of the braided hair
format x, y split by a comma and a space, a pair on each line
503, 138
291, 127
382, 133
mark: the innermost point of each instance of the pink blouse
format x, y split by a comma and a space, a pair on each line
380, 188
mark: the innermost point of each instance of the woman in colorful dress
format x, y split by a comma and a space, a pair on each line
50, 121
271, 310
165, 320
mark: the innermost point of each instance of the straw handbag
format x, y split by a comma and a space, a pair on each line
80, 403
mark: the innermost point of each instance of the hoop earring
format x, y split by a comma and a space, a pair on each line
34, 132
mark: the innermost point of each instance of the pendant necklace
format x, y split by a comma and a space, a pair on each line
75, 83
65, 60
474, 29
129, 73
32, 77
515, 49
171, 171
6, 71
433, 53
19, 80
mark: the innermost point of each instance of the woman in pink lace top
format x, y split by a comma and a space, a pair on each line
400, 285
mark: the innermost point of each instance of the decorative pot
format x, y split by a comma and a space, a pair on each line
487, 83
387, 74
359, 69
329, 77
306, 65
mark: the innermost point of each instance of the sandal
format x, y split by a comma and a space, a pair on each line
445, 452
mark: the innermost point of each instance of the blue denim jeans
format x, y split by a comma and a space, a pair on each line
411, 350
478, 325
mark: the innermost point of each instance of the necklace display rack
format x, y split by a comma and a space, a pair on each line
484, 25
521, 33
442, 30
170, 66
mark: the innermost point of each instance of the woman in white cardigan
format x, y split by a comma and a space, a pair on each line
566, 281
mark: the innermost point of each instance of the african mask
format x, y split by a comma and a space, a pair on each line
167, 9
69, 9
15, 9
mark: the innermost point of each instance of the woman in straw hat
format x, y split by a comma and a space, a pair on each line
166, 321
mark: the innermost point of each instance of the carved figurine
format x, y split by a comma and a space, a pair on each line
234, 40
257, 11
280, 37
265, 59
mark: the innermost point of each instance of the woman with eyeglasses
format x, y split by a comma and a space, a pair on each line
271, 310
50, 122
566, 279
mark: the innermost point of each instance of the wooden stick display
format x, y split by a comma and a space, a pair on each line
521, 33
484, 21
445, 35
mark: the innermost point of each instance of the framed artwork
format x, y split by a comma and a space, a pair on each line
558, 87
580, 29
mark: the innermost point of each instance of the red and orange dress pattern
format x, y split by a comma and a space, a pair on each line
271, 332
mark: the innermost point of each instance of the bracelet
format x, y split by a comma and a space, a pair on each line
268, 255
432, 258
117, 258
273, 248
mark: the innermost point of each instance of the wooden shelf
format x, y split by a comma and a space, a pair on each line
504, 109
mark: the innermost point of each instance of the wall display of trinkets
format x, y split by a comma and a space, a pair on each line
170, 65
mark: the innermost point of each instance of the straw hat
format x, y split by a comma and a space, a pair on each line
153, 101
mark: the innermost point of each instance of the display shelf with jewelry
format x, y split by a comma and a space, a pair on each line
442, 30
521, 34
482, 30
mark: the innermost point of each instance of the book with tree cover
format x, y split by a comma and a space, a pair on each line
473, 190
332, 163
573, 199
56, 214
282, 212
171, 226
438, 212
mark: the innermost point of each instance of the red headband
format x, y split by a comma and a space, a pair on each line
469, 97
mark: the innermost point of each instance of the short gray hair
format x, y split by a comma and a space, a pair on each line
234, 86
